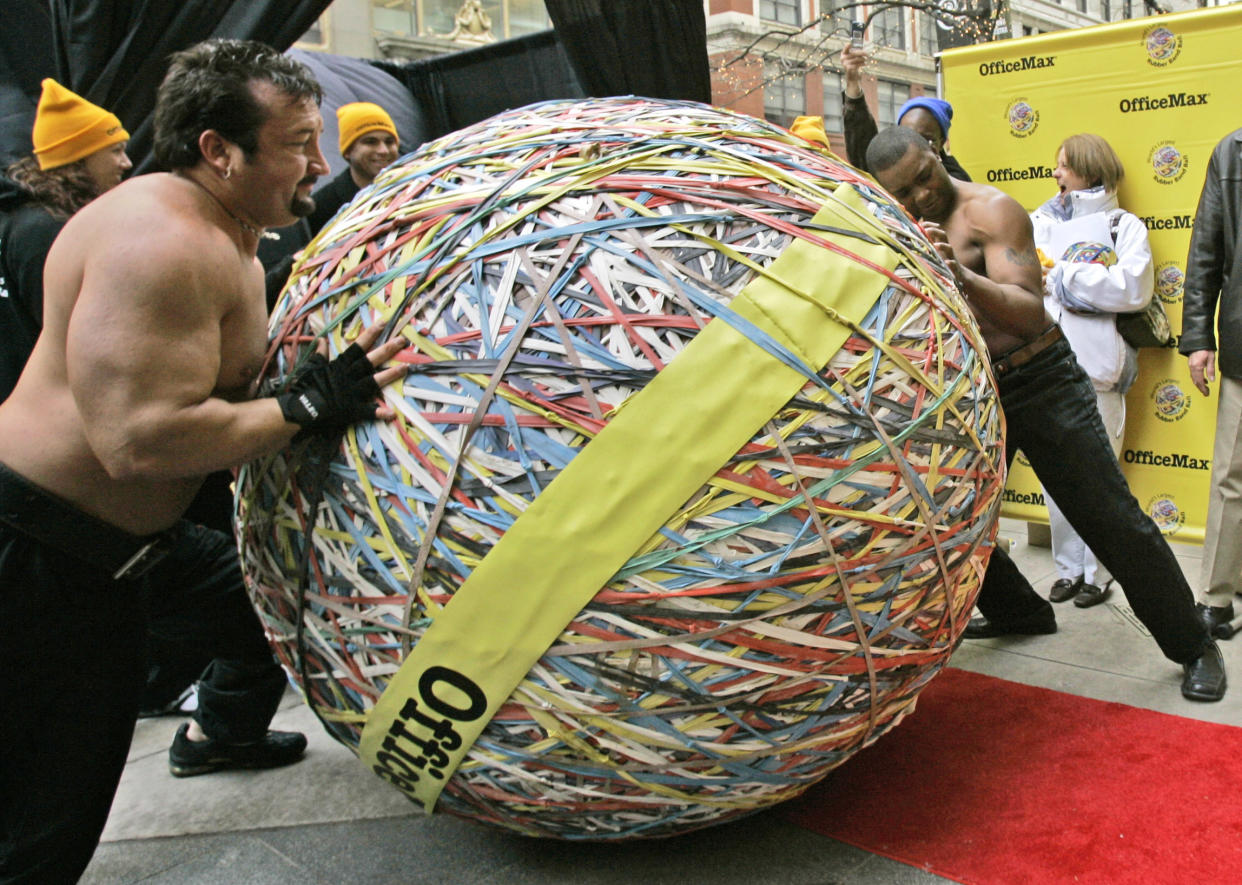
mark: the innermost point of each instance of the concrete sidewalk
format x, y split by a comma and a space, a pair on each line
328, 820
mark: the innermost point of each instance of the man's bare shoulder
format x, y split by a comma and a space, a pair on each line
156, 216
991, 213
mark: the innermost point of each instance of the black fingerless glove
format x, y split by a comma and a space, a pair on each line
331, 395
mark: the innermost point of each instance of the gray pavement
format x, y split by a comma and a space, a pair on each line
328, 820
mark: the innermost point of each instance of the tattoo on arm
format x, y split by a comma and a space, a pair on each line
1021, 259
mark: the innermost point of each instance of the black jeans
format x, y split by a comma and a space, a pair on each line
1051, 416
72, 668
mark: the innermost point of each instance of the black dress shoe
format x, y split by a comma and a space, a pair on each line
1204, 678
1035, 625
187, 758
1089, 595
1215, 617
1064, 588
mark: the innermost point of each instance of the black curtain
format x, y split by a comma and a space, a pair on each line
452, 91
652, 48
25, 59
115, 52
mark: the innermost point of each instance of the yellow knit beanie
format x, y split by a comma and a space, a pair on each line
68, 127
812, 129
360, 117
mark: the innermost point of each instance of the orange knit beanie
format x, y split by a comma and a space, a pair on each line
68, 127
360, 117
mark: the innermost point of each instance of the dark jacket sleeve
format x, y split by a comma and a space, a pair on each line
1205, 264
331, 197
860, 128
25, 238
953, 167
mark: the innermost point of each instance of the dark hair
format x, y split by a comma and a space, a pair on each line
61, 191
889, 146
208, 86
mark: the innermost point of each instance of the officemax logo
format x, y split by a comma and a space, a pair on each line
1170, 403
1018, 174
1179, 460
1168, 164
417, 742
1022, 118
1027, 63
1168, 222
1165, 513
1162, 45
1162, 102
1169, 281
1009, 496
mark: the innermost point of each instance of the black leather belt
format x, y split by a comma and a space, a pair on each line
40, 515
1020, 356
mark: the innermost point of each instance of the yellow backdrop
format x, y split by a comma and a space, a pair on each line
1161, 91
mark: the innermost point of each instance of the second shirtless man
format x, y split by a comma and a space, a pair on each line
986, 240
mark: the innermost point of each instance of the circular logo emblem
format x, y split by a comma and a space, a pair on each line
1165, 513
1169, 401
1169, 280
1023, 119
1162, 45
1090, 253
1168, 164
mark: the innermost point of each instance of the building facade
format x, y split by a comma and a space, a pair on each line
779, 59
410, 29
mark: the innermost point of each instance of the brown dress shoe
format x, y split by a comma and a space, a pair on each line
1064, 588
1089, 595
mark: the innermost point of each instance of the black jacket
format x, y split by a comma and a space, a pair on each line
860, 128
332, 196
26, 234
1214, 263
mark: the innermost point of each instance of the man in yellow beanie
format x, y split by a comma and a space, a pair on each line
368, 143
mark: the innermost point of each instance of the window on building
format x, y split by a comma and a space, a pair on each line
437, 18
1082, 5
929, 43
785, 12
833, 20
525, 17
834, 119
314, 35
889, 28
890, 97
784, 95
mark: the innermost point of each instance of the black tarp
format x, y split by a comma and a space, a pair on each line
461, 88
26, 57
114, 52
653, 48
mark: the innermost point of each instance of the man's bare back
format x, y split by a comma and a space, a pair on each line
101, 284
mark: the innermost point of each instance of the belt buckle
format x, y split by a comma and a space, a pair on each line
145, 558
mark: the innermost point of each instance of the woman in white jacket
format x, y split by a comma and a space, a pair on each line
1101, 265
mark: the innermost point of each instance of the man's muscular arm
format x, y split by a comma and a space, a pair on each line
143, 356
1008, 294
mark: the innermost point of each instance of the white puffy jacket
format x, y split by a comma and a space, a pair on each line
1084, 297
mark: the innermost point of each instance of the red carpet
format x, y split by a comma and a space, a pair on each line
990, 782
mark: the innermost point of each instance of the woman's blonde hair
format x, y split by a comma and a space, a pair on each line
1094, 159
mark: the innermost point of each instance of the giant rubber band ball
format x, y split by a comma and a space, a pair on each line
545, 265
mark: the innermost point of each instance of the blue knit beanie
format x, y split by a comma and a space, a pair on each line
939, 108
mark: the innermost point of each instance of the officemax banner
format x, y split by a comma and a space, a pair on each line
1162, 91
